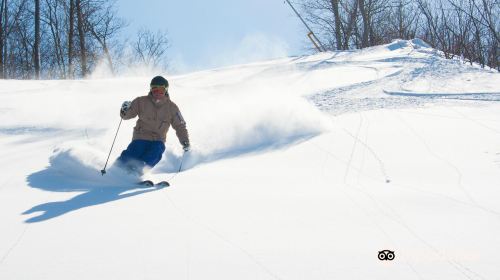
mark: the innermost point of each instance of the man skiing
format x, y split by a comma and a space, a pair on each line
156, 114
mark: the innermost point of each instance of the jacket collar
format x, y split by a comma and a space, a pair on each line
161, 102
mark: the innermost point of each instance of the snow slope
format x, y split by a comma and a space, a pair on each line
301, 168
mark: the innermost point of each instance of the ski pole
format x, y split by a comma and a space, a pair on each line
103, 171
182, 160
179, 170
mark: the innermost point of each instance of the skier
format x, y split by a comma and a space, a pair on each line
156, 114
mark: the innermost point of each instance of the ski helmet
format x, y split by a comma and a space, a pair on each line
159, 81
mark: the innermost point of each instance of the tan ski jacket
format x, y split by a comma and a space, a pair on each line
155, 118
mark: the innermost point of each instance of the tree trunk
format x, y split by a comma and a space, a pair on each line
366, 24
2, 37
70, 37
6, 31
37, 40
338, 23
105, 48
401, 31
351, 25
81, 37
51, 19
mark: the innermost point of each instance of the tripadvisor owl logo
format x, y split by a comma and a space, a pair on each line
386, 255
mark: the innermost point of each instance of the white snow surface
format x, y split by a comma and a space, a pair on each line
301, 168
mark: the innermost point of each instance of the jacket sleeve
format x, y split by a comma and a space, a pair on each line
178, 123
132, 112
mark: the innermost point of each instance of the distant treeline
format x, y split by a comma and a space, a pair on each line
463, 28
58, 39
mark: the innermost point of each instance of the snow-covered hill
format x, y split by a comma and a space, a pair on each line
301, 168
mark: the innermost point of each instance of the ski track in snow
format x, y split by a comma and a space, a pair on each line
459, 183
14, 245
394, 216
224, 239
347, 186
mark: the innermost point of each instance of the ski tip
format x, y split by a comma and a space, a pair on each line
146, 183
163, 184
149, 183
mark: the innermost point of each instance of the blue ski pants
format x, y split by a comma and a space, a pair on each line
144, 152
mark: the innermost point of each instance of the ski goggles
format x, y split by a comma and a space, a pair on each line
153, 87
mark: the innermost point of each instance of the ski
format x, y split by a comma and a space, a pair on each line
149, 183
163, 184
146, 183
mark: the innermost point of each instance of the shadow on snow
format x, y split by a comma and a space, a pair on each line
68, 174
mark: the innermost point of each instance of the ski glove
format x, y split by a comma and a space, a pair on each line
125, 107
185, 146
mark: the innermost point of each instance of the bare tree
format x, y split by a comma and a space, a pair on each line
104, 26
364, 9
55, 38
5, 35
3, 27
338, 23
403, 19
466, 28
350, 23
150, 47
374, 22
318, 15
435, 25
481, 18
71, 28
36, 55
19, 58
10, 24
81, 37
54, 19
333, 20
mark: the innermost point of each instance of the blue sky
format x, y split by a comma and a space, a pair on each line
212, 33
